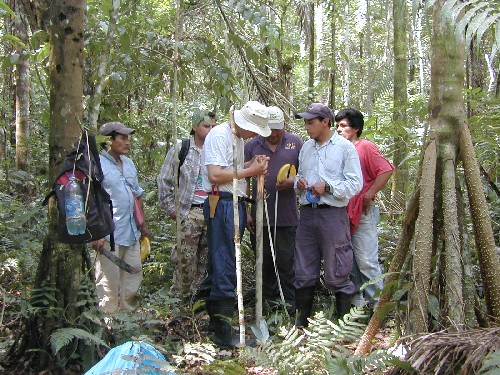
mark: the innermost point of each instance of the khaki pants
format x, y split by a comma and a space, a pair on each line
116, 288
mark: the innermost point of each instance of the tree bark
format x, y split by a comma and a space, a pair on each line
22, 76
368, 51
400, 97
102, 76
333, 71
489, 261
59, 271
422, 252
452, 245
312, 48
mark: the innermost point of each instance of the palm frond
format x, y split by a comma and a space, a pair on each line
462, 352
473, 18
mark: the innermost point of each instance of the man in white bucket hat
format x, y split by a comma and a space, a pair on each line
217, 172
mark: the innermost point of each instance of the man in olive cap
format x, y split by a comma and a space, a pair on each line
189, 262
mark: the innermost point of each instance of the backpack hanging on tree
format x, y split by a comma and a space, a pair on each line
83, 161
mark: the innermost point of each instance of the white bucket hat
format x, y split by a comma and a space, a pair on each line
253, 117
276, 118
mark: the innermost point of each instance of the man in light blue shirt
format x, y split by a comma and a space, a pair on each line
115, 287
329, 175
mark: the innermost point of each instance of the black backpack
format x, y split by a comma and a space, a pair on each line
84, 162
182, 155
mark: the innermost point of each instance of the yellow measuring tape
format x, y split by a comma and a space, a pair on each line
286, 171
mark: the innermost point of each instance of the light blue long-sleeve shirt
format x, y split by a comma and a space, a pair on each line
335, 162
121, 185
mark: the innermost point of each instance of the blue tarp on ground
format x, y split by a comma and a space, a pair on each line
132, 357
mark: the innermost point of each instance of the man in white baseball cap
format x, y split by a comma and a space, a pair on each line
217, 173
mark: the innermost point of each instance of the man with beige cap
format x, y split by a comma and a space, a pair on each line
217, 174
283, 150
117, 289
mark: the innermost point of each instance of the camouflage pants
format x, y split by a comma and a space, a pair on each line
189, 262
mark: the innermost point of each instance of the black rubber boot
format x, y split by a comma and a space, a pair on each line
222, 314
342, 304
303, 304
201, 295
211, 323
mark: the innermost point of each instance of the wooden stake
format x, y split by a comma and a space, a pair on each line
236, 217
259, 251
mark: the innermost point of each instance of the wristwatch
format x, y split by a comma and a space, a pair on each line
328, 189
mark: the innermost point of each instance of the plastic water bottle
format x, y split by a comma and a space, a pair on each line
75, 207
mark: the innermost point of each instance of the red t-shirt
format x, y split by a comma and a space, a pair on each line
373, 164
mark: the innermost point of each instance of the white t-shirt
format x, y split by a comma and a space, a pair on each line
218, 150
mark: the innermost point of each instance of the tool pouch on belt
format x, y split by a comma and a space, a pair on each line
213, 199
212, 203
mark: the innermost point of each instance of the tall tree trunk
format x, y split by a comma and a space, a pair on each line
420, 50
333, 71
7, 112
312, 47
102, 76
346, 81
178, 31
400, 98
22, 77
59, 271
368, 51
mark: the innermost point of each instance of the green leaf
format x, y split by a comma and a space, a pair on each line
64, 336
434, 306
14, 40
43, 53
4, 9
377, 279
402, 364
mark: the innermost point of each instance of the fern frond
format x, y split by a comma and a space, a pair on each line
64, 336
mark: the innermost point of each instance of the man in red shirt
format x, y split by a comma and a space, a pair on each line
362, 210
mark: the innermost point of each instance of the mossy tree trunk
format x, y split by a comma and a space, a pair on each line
400, 98
59, 271
22, 84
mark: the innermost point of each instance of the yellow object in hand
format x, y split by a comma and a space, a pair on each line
286, 171
145, 247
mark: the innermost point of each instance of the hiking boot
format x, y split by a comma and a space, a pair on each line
224, 335
342, 304
304, 298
